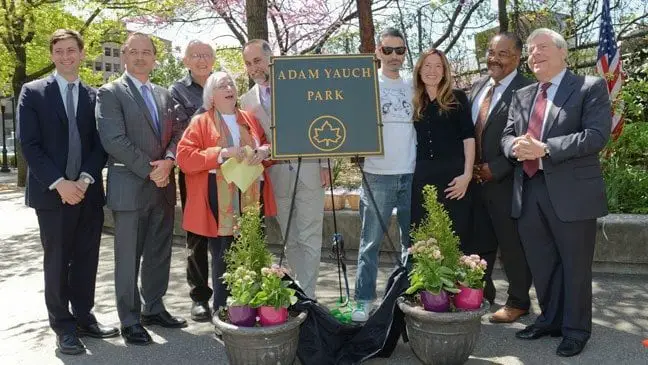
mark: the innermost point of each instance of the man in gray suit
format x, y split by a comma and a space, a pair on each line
556, 129
304, 244
494, 227
137, 127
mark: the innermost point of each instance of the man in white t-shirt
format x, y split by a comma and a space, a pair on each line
388, 177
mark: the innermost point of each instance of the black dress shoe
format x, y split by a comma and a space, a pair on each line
69, 344
136, 335
97, 330
533, 332
200, 312
164, 319
570, 347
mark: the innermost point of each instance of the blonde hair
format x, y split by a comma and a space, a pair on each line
445, 97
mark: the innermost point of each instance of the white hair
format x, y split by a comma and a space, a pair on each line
558, 39
210, 87
195, 42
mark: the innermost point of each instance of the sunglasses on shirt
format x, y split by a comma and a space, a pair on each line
388, 50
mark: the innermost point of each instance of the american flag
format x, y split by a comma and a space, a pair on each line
609, 66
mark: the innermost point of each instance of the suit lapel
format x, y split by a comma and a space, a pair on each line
476, 90
565, 89
527, 99
505, 99
135, 95
55, 99
158, 105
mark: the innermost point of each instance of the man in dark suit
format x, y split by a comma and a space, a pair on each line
556, 129
137, 126
490, 98
59, 139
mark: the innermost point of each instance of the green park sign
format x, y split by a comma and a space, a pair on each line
325, 106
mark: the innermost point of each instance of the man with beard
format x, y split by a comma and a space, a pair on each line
137, 128
390, 176
304, 243
188, 94
494, 227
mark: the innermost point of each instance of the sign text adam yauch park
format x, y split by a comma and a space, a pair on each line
325, 106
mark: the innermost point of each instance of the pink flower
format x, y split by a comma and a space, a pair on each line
475, 257
483, 263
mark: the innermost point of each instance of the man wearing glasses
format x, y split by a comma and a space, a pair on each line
187, 93
389, 177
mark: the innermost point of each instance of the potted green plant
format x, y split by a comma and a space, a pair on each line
243, 286
430, 277
248, 269
274, 297
437, 338
470, 274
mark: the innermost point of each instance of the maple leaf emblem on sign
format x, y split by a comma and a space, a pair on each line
327, 134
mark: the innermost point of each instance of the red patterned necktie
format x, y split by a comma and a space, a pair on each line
535, 127
484, 108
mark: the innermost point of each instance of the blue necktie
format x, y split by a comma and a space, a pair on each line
73, 164
148, 99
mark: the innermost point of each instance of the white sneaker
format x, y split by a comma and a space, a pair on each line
361, 311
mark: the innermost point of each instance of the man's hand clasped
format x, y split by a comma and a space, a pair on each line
161, 171
71, 192
528, 148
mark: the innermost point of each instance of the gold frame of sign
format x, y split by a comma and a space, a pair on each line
325, 106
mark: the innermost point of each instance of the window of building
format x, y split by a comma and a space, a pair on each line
115, 52
107, 51
116, 67
109, 67
98, 66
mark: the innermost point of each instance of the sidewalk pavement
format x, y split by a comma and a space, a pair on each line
620, 313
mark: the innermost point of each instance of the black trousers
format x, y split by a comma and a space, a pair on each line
70, 236
494, 228
560, 256
218, 246
197, 261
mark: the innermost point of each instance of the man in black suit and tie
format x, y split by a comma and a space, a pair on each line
137, 127
59, 139
555, 131
494, 227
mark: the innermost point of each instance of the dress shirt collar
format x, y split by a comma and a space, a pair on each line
505, 82
63, 83
138, 83
556, 80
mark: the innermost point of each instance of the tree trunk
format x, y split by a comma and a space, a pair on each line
367, 30
257, 19
19, 77
502, 16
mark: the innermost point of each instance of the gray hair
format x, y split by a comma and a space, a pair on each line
265, 46
558, 39
390, 32
196, 42
210, 87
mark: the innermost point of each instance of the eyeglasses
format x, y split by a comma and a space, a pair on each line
225, 86
388, 50
206, 56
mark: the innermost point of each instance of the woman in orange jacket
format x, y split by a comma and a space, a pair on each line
220, 133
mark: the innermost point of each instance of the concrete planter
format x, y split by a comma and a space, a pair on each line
442, 338
275, 345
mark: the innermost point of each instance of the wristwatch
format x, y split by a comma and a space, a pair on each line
86, 180
546, 149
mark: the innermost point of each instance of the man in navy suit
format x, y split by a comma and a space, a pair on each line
59, 138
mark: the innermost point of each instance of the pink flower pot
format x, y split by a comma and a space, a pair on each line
269, 316
469, 298
242, 316
435, 302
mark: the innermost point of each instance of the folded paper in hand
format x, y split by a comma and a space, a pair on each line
240, 173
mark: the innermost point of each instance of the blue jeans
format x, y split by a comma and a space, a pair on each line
389, 191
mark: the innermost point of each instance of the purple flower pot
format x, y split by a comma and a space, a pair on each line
469, 298
435, 302
242, 316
